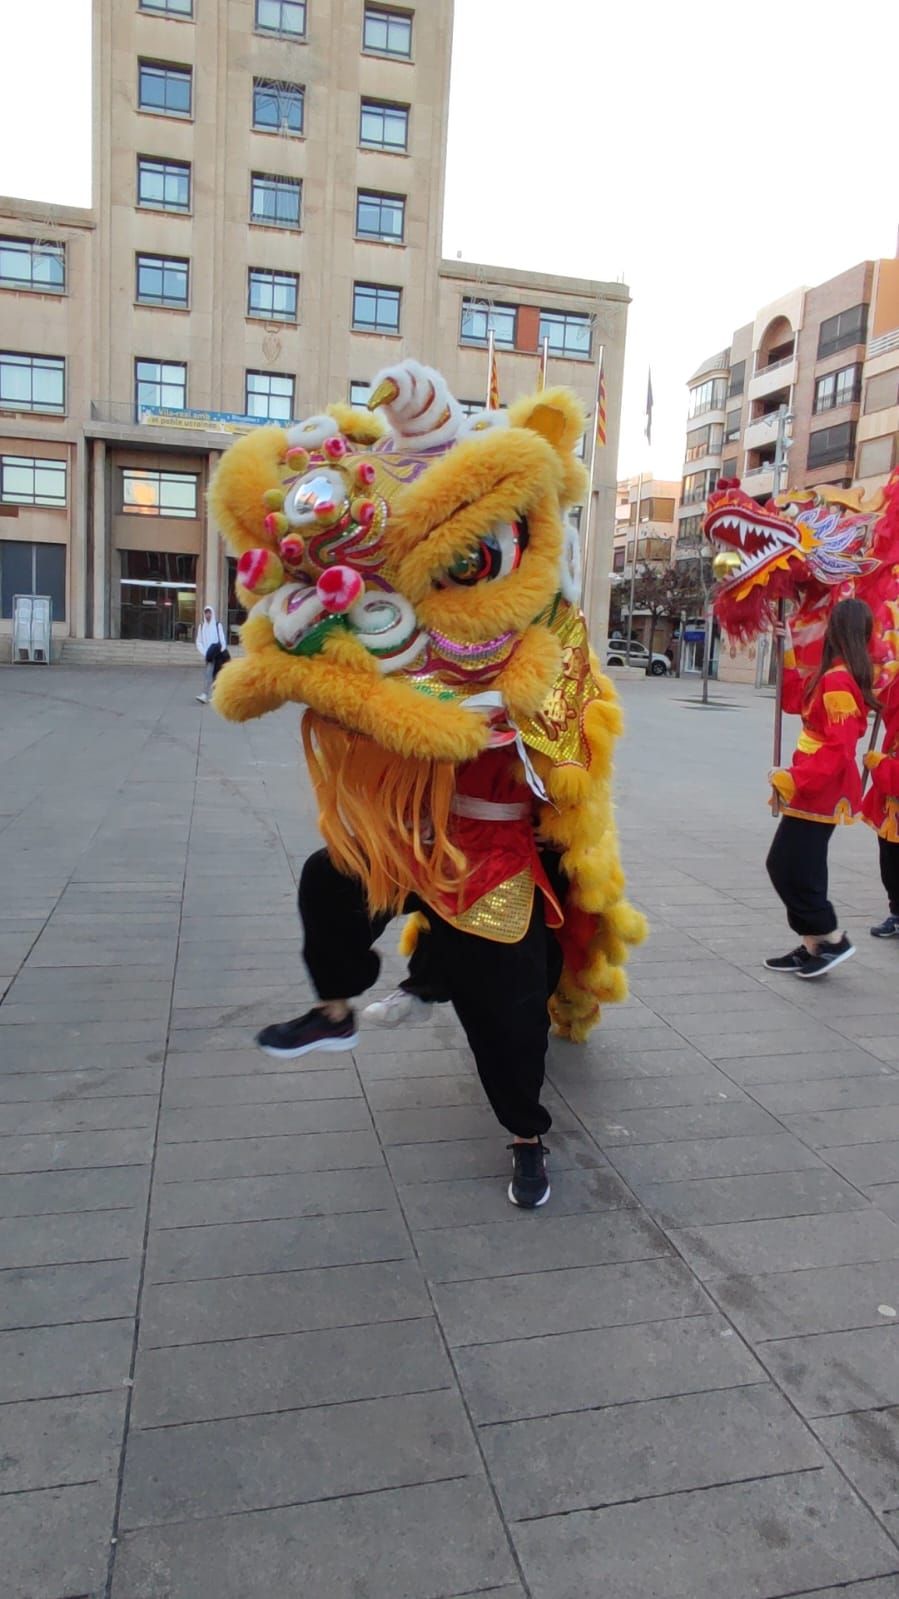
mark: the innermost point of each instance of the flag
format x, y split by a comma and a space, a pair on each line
649, 406
492, 380
601, 402
541, 375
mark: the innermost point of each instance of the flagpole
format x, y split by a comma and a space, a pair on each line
630, 613
489, 366
544, 362
588, 523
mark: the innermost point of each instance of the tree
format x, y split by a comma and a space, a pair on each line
669, 592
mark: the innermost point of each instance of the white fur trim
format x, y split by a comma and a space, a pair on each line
313, 432
483, 422
424, 412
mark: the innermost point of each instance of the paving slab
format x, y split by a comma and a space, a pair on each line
505, 1248
758, 1540
827, 1374
428, 1541
716, 1200
557, 1464
824, 1299
538, 1376
789, 1244
246, 1376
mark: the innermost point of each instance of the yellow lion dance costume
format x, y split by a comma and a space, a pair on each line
411, 578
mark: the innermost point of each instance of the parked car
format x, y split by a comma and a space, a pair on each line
620, 653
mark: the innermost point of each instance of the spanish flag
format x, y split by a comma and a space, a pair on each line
601, 403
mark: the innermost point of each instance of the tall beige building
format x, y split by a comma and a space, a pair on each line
266, 234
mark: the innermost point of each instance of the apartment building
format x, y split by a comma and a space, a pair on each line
265, 235
652, 543
814, 376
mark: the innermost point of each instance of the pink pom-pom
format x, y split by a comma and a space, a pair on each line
335, 449
260, 571
365, 474
339, 588
292, 549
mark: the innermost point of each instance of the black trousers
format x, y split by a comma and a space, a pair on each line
498, 991
797, 866
889, 872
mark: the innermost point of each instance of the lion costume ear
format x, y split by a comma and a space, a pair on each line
556, 414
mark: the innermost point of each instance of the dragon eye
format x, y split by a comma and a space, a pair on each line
495, 555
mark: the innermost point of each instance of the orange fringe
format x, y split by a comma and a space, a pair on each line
384, 817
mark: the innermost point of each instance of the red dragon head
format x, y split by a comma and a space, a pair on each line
811, 547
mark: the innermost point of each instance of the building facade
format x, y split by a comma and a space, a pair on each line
265, 235
806, 394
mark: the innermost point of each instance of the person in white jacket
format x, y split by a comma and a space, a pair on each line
209, 633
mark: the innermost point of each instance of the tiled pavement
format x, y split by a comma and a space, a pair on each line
275, 1331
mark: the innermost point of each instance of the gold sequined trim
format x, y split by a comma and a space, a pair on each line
558, 728
502, 915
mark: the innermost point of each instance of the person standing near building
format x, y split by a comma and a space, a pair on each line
211, 643
821, 787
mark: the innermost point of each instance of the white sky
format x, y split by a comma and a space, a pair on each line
713, 158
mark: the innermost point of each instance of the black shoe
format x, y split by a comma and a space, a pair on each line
287, 1040
826, 956
887, 929
530, 1185
788, 963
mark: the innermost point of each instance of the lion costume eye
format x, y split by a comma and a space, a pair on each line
495, 555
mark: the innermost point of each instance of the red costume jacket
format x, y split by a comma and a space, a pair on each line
822, 784
880, 806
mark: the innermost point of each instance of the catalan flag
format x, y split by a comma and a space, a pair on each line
492, 379
541, 375
601, 402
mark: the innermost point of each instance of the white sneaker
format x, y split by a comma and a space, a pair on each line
203, 699
399, 1007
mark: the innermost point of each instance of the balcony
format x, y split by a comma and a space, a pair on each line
779, 375
761, 432
759, 480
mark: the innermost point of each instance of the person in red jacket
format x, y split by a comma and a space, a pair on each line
880, 809
822, 786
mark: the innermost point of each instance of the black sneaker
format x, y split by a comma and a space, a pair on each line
826, 956
788, 963
887, 929
530, 1185
288, 1040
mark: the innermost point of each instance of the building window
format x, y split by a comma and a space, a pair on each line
287, 18
697, 444
150, 493
568, 333
383, 126
33, 383
479, 320
737, 380
387, 33
32, 569
831, 444
273, 295
164, 89
731, 426
708, 396
689, 531
277, 107
729, 467
877, 457
275, 201
163, 185
698, 486
160, 386
359, 393
163, 280
32, 480
380, 216
882, 392
838, 388
169, 8
376, 309
32, 265
158, 595
269, 395
839, 332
